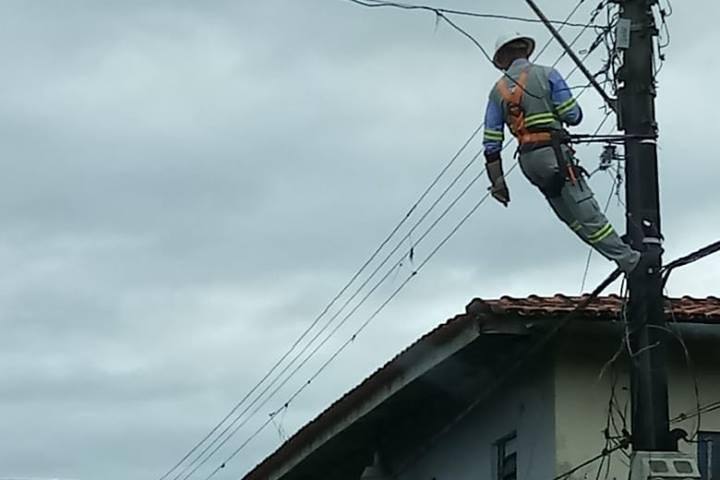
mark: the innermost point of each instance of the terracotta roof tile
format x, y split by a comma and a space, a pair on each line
685, 308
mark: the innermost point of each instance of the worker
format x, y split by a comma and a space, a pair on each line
536, 102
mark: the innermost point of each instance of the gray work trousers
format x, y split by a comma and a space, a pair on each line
576, 206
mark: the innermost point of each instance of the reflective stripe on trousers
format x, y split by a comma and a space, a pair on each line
577, 207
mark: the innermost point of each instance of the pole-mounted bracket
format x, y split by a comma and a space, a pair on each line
651, 234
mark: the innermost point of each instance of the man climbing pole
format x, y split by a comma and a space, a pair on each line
536, 102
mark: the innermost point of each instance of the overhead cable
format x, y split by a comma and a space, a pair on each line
353, 337
690, 258
432, 185
342, 348
465, 13
605, 452
517, 366
707, 408
230, 433
327, 308
609, 101
440, 15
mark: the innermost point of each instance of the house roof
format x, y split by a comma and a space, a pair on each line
478, 311
687, 309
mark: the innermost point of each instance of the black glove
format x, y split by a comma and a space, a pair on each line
498, 188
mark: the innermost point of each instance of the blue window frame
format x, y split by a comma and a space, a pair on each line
506, 458
709, 455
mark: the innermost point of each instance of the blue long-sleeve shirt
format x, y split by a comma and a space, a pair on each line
566, 108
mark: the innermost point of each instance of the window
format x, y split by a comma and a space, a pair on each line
709, 455
506, 451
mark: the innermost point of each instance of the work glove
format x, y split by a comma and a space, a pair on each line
498, 188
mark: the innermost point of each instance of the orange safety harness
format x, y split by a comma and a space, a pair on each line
516, 114
516, 120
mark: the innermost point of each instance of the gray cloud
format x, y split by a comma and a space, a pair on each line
186, 185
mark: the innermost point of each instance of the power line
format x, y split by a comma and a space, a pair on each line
590, 249
677, 334
707, 408
329, 322
549, 42
368, 321
610, 102
516, 366
440, 15
542, 341
304, 386
360, 329
329, 336
214, 442
352, 339
349, 283
327, 308
286, 404
449, 11
607, 205
690, 258
335, 354
605, 452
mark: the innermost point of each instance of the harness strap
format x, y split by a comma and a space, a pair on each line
535, 137
513, 97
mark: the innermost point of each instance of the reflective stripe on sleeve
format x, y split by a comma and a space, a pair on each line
494, 135
565, 107
601, 234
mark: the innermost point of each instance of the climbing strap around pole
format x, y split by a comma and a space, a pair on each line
587, 138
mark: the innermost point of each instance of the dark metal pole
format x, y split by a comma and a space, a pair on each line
649, 383
609, 101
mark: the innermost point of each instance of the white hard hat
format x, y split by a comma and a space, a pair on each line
507, 38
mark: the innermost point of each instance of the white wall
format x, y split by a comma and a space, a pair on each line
560, 411
466, 452
581, 399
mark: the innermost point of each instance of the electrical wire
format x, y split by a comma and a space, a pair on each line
334, 331
516, 367
355, 277
440, 15
605, 452
329, 322
591, 249
372, 291
619, 433
449, 11
677, 334
611, 103
343, 321
362, 327
597, 130
402, 285
286, 404
663, 39
704, 409
332, 302
607, 206
690, 258
550, 40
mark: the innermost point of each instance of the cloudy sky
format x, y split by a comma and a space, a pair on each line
185, 186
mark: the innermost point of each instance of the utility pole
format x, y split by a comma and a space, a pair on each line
649, 382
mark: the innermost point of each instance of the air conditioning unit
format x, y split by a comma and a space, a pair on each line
664, 466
